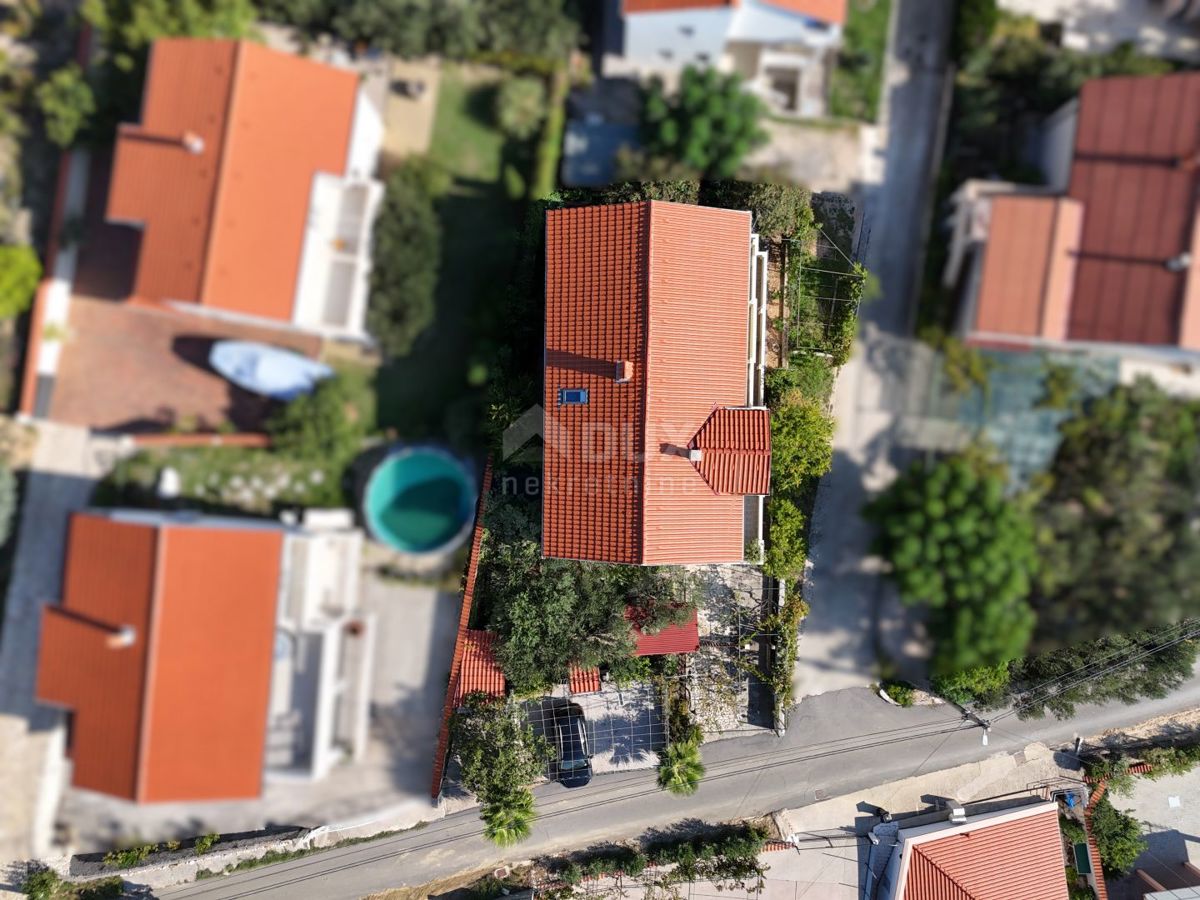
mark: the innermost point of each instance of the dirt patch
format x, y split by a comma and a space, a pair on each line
1175, 726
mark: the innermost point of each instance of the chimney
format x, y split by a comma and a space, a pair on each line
958, 814
695, 454
122, 637
624, 371
192, 142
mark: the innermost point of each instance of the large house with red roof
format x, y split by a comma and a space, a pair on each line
1110, 259
1006, 854
250, 179
782, 48
657, 442
196, 656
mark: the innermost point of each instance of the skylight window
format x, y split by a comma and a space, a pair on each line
572, 396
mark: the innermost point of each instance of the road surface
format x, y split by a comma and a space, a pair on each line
838, 743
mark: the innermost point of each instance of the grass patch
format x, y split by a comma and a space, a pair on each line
856, 83
434, 389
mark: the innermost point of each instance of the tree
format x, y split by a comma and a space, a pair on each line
324, 427
801, 443
982, 685
508, 820
66, 102
1116, 516
520, 106
680, 768
1118, 838
407, 243
20, 272
780, 209
958, 545
709, 125
1051, 682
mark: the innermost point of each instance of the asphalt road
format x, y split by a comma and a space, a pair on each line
839, 743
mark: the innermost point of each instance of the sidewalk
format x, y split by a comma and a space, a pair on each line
67, 462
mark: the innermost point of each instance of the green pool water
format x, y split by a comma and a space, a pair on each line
419, 500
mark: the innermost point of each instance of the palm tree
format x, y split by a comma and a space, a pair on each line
680, 768
509, 819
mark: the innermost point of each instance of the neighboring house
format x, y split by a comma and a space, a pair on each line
782, 48
1168, 28
1006, 854
1109, 259
250, 179
657, 442
196, 655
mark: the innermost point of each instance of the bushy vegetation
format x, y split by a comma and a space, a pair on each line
801, 443
551, 614
985, 686
962, 549
66, 102
856, 83
901, 692
520, 106
43, 883
781, 209
708, 126
1118, 838
788, 551
20, 272
500, 756
523, 33
325, 427
407, 242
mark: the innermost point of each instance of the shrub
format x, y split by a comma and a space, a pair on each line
520, 106
901, 692
780, 209
809, 377
981, 685
128, 857
1072, 830
1118, 838
20, 272
66, 102
324, 427
787, 546
205, 842
498, 754
801, 443
680, 768
508, 819
41, 883
974, 22
407, 242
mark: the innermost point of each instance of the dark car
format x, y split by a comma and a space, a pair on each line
574, 765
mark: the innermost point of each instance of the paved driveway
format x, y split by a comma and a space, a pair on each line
1169, 810
852, 607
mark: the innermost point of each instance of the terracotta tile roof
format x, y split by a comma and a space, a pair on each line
823, 10
662, 286
583, 681
1014, 859
1136, 169
736, 447
684, 638
480, 673
156, 720
1029, 266
224, 226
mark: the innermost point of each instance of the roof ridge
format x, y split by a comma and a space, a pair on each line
642, 450
228, 129
151, 638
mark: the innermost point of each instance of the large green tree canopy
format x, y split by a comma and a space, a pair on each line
1117, 519
959, 545
709, 125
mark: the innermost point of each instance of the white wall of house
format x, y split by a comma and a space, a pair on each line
1057, 145
666, 41
1095, 26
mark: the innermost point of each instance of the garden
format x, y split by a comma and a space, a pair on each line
856, 84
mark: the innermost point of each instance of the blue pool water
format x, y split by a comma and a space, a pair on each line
420, 500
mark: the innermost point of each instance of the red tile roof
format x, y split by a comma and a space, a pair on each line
156, 720
663, 286
1029, 266
823, 10
583, 681
480, 672
1136, 169
683, 638
224, 226
1017, 858
736, 448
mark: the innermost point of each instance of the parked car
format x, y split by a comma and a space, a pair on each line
574, 765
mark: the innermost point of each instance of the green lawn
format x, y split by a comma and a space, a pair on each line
427, 392
857, 80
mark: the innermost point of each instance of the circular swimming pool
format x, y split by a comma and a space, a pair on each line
420, 500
